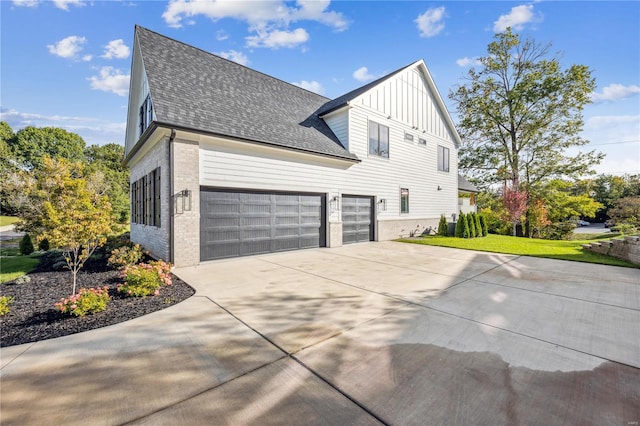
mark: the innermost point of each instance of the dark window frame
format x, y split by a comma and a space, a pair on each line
146, 204
404, 200
145, 115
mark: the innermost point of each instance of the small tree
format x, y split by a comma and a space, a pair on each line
465, 226
459, 231
515, 202
443, 227
26, 246
73, 217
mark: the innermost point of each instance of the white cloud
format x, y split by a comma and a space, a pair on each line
468, 62
278, 38
516, 19
221, 35
68, 47
87, 58
430, 22
64, 4
268, 21
235, 56
607, 134
112, 80
25, 3
312, 86
615, 92
116, 49
362, 74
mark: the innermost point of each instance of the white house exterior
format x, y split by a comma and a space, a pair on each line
226, 161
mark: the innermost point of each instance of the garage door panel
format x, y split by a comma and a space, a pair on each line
357, 219
244, 223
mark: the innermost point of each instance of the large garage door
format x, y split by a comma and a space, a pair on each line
243, 223
357, 219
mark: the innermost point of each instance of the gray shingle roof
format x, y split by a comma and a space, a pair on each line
199, 91
465, 185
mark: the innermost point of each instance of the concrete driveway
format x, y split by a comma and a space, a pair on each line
363, 334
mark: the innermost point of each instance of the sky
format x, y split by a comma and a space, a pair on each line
66, 63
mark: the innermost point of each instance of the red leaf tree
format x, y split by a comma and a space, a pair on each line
515, 202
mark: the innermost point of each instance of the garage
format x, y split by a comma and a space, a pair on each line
357, 219
243, 223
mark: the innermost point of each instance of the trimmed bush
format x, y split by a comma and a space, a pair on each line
479, 230
466, 233
145, 279
86, 301
459, 231
483, 224
471, 221
125, 256
443, 227
26, 246
43, 245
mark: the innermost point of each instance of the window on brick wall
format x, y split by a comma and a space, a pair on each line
145, 199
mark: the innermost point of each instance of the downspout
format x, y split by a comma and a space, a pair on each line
171, 196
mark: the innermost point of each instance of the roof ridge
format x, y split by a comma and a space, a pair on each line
137, 27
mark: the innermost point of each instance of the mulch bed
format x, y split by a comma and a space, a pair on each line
33, 317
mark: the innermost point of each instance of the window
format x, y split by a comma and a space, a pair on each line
408, 137
146, 115
422, 141
145, 199
404, 200
443, 159
378, 140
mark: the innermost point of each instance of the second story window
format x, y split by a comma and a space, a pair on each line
443, 159
146, 115
378, 140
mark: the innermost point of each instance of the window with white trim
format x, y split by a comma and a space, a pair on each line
404, 200
378, 139
443, 159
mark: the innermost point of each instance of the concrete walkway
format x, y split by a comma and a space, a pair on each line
363, 334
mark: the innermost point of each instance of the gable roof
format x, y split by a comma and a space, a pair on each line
465, 185
195, 90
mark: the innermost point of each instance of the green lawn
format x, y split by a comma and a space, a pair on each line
8, 220
15, 267
565, 250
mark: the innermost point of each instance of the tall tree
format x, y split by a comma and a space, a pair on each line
521, 112
106, 160
31, 144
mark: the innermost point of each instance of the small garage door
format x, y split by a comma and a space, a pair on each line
244, 223
357, 219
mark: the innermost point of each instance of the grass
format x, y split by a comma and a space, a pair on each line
15, 267
552, 249
8, 220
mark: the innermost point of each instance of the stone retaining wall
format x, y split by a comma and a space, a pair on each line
627, 248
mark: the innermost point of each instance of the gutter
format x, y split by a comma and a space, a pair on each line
171, 192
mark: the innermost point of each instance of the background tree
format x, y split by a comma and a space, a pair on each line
515, 202
520, 113
538, 217
626, 211
8, 168
67, 211
31, 144
561, 204
106, 160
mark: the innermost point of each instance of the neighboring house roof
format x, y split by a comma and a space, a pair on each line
195, 90
465, 185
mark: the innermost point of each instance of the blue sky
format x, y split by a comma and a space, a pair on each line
66, 63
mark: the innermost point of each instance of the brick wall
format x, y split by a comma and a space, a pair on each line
392, 229
186, 221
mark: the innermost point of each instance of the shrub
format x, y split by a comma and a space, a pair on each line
86, 301
26, 246
145, 279
459, 226
483, 224
471, 221
43, 245
23, 279
479, 230
125, 256
558, 231
466, 233
5, 301
443, 227
625, 228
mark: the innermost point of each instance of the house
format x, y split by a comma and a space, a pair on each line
466, 195
226, 161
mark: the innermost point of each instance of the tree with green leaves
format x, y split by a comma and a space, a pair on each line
31, 144
106, 160
443, 227
520, 113
67, 211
